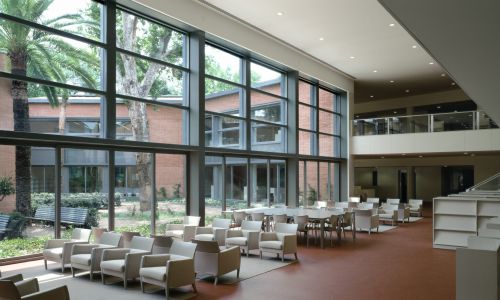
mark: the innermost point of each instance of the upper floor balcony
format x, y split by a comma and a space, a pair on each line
432, 133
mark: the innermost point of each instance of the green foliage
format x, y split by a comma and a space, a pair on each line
312, 196
21, 246
92, 201
6, 187
163, 192
144, 229
176, 190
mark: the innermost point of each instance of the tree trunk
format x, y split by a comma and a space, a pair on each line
62, 114
19, 93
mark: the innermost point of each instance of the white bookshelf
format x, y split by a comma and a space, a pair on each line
455, 218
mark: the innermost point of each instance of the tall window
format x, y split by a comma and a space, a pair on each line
319, 121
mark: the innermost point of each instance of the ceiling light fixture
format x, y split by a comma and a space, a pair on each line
404, 154
375, 71
391, 81
443, 75
352, 57
392, 25
395, 112
438, 107
420, 156
453, 83
465, 153
414, 46
382, 157
321, 38
279, 13
431, 63
407, 91
371, 96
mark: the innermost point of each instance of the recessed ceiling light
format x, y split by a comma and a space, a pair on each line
352, 57
392, 25
453, 83
465, 153
414, 46
279, 13
420, 156
404, 154
357, 116
431, 63
407, 91
472, 154
375, 71
391, 81
395, 112
443, 75
438, 107
381, 157
321, 38
455, 111
371, 96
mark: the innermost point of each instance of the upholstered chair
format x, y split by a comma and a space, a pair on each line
332, 225
217, 232
171, 270
24, 286
124, 263
9, 291
355, 199
59, 250
184, 231
392, 201
282, 241
367, 219
210, 260
88, 257
238, 217
247, 238
303, 226
127, 237
416, 207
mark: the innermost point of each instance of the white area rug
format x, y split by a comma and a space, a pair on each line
81, 288
415, 219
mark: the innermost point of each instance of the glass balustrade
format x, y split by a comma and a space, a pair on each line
469, 120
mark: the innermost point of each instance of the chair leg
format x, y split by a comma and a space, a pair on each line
72, 271
62, 267
282, 257
238, 273
91, 275
194, 287
142, 285
125, 281
296, 258
166, 292
216, 279
45, 262
260, 254
103, 280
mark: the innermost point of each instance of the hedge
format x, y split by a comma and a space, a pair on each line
92, 201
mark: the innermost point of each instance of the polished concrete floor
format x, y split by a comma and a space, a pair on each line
396, 264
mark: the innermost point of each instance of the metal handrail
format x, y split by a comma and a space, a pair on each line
474, 187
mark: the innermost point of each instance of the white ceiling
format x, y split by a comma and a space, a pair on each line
349, 28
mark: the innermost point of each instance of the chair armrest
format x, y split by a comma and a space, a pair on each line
83, 248
133, 263
57, 243
229, 259
154, 260
268, 236
175, 227
28, 286
234, 233
252, 238
68, 248
204, 230
59, 293
289, 241
113, 254
189, 232
13, 278
180, 272
220, 235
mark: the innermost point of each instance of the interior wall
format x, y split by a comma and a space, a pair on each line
427, 182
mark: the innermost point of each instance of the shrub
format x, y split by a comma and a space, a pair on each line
21, 246
6, 187
176, 190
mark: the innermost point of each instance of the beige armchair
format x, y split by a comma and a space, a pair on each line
367, 219
217, 232
403, 213
416, 206
238, 218
282, 241
209, 259
9, 291
392, 201
247, 238
388, 213
59, 250
24, 286
170, 270
184, 231
125, 262
88, 257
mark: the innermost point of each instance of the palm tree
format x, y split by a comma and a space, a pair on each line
39, 54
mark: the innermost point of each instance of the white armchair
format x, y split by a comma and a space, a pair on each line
416, 206
373, 200
392, 201
366, 219
125, 262
355, 199
247, 238
388, 213
217, 232
282, 241
403, 212
170, 270
184, 231
59, 250
88, 257
211, 260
